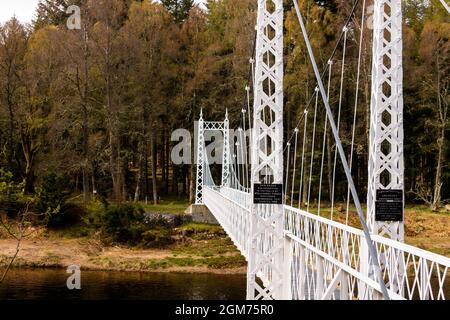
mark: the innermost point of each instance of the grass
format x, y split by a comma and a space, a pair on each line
206, 248
197, 250
167, 206
202, 227
70, 232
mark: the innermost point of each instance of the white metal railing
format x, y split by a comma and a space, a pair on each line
241, 197
329, 260
231, 213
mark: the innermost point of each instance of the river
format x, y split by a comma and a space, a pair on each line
99, 285
32, 284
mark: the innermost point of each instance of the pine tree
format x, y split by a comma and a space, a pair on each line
53, 12
50, 12
178, 8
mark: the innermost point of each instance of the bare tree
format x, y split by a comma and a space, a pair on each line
18, 230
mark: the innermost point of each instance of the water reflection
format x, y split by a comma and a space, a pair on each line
96, 285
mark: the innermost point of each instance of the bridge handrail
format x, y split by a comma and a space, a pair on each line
325, 220
246, 193
346, 268
442, 260
241, 197
408, 271
232, 200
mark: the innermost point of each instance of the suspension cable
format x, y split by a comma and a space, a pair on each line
375, 263
246, 169
445, 5
358, 77
242, 159
303, 161
325, 130
294, 167
251, 76
287, 171
237, 163
336, 46
312, 149
344, 52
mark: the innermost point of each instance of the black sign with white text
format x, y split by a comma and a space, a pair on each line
389, 205
390, 195
268, 194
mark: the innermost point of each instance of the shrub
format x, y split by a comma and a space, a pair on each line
123, 223
69, 215
156, 238
52, 195
128, 224
12, 200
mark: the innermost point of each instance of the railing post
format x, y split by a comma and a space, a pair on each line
344, 294
302, 273
424, 281
402, 273
287, 268
319, 278
364, 268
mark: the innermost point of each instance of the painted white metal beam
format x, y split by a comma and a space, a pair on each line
266, 227
386, 163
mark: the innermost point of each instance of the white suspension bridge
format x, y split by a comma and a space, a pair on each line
296, 252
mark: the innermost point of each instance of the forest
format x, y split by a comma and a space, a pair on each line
90, 112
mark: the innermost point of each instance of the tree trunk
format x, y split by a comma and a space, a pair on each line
192, 184
94, 189
185, 181
10, 135
438, 180
113, 128
146, 186
175, 180
162, 164
141, 177
167, 157
154, 161
85, 125
29, 152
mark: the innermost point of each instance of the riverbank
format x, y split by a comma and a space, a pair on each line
202, 252
196, 248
